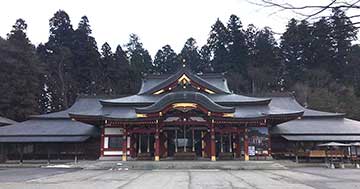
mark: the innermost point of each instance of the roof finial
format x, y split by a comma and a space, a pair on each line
183, 62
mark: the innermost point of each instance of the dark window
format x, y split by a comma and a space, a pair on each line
115, 141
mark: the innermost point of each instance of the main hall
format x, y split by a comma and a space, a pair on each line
182, 116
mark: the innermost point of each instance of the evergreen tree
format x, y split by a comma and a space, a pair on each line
129, 78
238, 51
342, 34
58, 55
190, 55
140, 59
321, 45
295, 51
218, 42
85, 59
61, 31
165, 60
20, 74
265, 67
108, 68
205, 60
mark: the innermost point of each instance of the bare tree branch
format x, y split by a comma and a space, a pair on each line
316, 10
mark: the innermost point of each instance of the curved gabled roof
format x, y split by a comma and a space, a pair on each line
222, 99
160, 83
185, 97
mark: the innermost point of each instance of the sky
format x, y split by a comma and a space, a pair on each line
156, 22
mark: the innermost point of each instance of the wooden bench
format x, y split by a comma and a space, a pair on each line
316, 154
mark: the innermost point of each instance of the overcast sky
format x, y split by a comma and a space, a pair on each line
157, 22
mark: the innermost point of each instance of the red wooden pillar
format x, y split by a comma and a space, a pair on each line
102, 141
246, 144
124, 145
237, 144
132, 145
157, 143
212, 142
269, 150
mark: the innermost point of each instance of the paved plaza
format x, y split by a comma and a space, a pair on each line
296, 178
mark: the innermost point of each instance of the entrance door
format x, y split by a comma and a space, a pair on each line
184, 140
145, 146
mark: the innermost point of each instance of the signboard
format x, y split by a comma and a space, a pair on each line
252, 151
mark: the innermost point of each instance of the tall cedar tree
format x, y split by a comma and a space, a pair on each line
140, 59
265, 67
190, 55
218, 42
238, 51
85, 59
295, 51
343, 32
20, 74
166, 60
58, 56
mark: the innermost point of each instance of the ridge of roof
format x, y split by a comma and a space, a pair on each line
175, 76
188, 96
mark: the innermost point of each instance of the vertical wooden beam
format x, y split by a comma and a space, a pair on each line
48, 153
221, 143
21, 153
269, 149
185, 141
212, 142
296, 152
2, 153
246, 144
157, 143
102, 141
166, 144
139, 144
237, 144
124, 145
176, 141
148, 143
230, 143
193, 140
202, 144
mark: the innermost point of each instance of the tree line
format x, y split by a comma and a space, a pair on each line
317, 62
